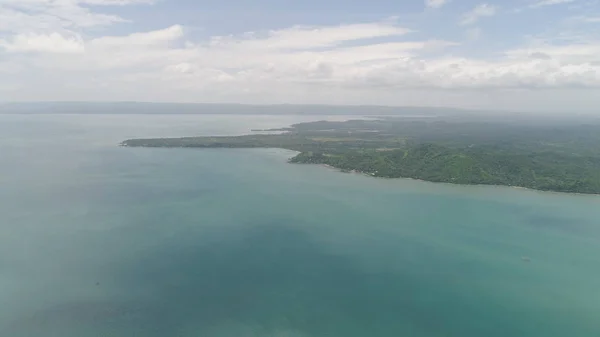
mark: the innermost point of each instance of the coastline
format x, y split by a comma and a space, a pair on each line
454, 184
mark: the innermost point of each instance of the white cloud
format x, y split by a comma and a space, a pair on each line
435, 3
303, 37
55, 19
480, 11
73, 43
39, 16
544, 3
158, 37
51, 43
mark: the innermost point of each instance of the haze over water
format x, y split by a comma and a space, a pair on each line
100, 240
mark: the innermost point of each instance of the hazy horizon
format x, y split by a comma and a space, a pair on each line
149, 107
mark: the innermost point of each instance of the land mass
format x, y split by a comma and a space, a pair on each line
562, 157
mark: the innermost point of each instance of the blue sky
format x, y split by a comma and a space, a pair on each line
537, 55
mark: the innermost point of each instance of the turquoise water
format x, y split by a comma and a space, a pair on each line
98, 240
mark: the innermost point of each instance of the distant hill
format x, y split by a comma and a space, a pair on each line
231, 109
383, 112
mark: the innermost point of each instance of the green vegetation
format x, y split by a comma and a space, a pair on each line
558, 157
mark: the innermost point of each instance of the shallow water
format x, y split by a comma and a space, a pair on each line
100, 240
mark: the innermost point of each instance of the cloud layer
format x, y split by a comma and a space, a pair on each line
544, 3
45, 45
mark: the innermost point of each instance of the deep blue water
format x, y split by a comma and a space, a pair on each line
100, 240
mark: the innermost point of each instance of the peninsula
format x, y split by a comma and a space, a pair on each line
562, 157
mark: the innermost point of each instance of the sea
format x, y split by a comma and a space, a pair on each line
98, 240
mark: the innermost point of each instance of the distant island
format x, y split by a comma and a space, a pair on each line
562, 157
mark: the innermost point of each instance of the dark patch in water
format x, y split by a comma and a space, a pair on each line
67, 317
279, 278
553, 222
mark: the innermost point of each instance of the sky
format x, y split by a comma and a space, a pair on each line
529, 55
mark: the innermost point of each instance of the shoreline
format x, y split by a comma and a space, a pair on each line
455, 184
